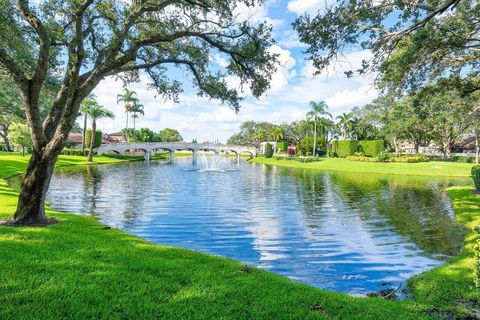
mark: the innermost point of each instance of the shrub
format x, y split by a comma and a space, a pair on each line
98, 138
306, 145
383, 157
70, 144
476, 176
268, 151
344, 148
410, 159
282, 146
72, 152
308, 159
331, 154
463, 159
2, 147
361, 158
371, 148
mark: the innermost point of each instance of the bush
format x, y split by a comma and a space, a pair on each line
463, 159
476, 176
371, 148
2, 147
410, 159
383, 157
308, 159
72, 152
98, 138
344, 148
268, 151
282, 146
361, 158
332, 154
306, 145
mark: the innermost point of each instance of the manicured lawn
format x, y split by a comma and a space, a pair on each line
434, 168
81, 269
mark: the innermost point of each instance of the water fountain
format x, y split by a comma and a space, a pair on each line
211, 163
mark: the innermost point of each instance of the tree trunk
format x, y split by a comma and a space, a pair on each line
126, 128
477, 147
92, 141
314, 137
134, 127
416, 146
397, 149
35, 182
84, 132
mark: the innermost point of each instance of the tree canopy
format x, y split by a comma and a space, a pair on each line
411, 41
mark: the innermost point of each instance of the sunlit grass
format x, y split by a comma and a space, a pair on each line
433, 168
79, 269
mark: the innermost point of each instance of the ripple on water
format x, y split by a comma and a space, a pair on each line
343, 232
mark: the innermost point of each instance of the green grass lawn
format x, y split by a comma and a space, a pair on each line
81, 269
433, 168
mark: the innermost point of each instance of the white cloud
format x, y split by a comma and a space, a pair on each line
255, 14
308, 6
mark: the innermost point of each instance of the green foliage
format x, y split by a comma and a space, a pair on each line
98, 138
305, 147
361, 158
477, 258
371, 148
410, 159
307, 159
73, 152
282, 146
383, 157
169, 135
476, 176
463, 159
268, 151
20, 135
344, 148
146, 135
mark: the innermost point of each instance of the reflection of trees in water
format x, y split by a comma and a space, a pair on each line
418, 210
311, 193
91, 181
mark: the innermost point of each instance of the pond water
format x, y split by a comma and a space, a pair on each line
345, 232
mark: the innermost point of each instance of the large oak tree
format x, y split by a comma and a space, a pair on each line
411, 41
77, 43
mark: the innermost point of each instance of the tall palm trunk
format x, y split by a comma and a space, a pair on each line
314, 136
126, 128
92, 140
134, 116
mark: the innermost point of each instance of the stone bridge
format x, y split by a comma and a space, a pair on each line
152, 148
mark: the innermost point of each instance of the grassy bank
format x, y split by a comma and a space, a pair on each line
433, 168
81, 269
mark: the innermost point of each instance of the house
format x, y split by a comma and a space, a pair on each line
116, 137
74, 140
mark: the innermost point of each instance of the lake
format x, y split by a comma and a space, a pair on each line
345, 232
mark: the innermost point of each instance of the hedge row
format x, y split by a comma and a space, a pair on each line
371, 148
98, 138
386, 158
346, 148
476, 176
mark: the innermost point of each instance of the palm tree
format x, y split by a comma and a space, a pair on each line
344, 123
136, 109
129, 97
94, 111
276, 134
319, 110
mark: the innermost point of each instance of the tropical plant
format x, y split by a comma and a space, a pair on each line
276, 134
129, 98
136, 110
169, 135
319, 110
94, 111
344, 124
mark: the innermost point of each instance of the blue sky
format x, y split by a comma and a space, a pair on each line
292, 87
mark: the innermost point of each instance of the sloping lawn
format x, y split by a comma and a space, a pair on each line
81, 269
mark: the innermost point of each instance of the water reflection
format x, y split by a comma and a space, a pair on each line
344, 232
